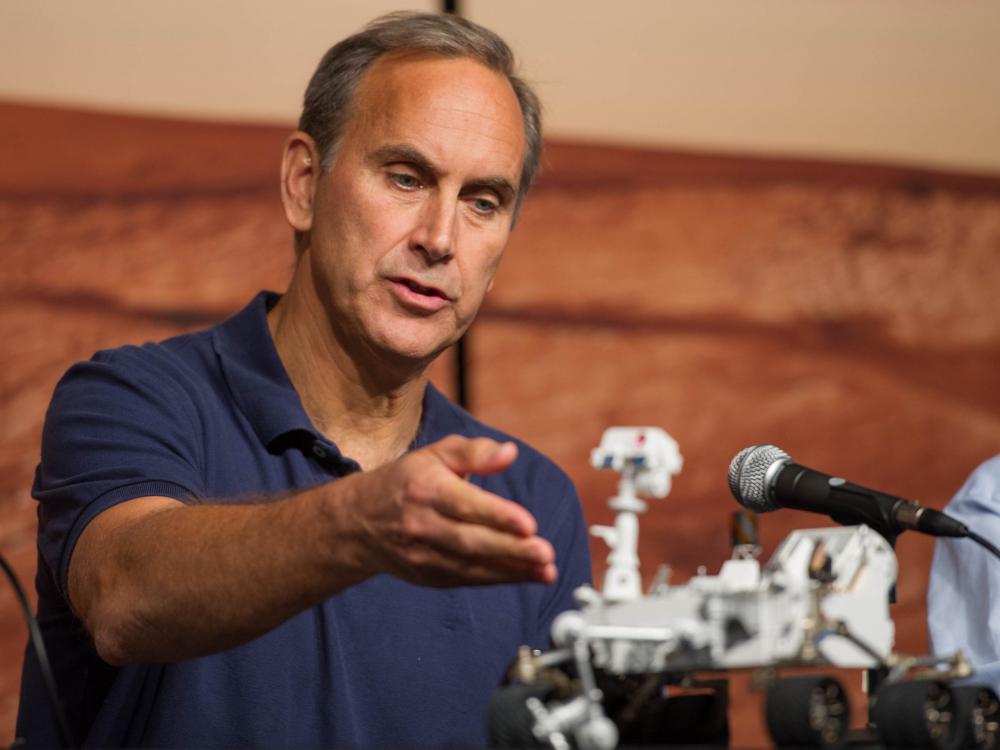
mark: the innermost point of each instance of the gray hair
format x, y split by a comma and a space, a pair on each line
327, 104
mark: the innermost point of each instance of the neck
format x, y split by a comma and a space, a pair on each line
369, 407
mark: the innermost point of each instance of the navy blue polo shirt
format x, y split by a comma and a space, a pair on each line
213, 416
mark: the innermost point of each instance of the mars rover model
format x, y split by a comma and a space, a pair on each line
822, 600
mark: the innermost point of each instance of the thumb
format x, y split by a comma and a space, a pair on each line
475, 456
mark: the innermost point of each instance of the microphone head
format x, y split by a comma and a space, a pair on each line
747, 474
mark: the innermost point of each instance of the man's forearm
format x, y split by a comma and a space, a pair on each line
176, 581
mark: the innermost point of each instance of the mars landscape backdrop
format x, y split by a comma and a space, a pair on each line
846, 312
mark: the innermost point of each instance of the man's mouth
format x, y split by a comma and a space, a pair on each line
427, 291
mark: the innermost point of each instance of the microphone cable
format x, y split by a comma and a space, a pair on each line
983, 542
38, 643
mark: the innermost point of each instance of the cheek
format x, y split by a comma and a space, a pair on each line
494, 257
479, 276
349, 214
358, 229
379, 222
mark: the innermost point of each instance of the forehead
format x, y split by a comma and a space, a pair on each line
458, 112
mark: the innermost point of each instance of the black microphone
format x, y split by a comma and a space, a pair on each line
763, 478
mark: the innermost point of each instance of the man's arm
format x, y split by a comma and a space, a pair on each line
156, 580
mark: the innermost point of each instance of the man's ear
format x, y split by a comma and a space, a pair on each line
299, 170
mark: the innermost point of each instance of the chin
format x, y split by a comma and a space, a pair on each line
412, 347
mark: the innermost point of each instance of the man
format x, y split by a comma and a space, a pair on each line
273, 533
965, 579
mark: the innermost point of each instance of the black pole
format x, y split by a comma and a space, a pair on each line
462, 346
462, 371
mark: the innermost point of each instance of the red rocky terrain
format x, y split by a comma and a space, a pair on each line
846, 312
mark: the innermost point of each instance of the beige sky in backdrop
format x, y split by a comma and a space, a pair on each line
912, 81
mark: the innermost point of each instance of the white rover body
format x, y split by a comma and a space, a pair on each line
820, 585
822, 598
820, 588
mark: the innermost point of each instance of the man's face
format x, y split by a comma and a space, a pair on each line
411, 221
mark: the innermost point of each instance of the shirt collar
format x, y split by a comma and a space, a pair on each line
256, 377
440, 418
262, 389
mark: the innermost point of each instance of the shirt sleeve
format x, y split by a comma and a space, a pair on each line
963, 599
117, 428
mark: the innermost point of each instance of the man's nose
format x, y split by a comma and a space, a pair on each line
434, 234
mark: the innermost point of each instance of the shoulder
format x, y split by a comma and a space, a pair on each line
130, 396
986, 477
981, 491
983, 482
177, 365
181, 357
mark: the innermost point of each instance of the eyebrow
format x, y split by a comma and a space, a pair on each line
407, 154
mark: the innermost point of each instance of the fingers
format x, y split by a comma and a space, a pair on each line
441, 530
430, 566
461, 500
475, 540
472, 527
474, 456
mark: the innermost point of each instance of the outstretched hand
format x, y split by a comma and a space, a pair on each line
421, 520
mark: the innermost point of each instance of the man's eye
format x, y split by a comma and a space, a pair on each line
484, 206
405, 181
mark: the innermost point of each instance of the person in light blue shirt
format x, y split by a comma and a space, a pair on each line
963, 600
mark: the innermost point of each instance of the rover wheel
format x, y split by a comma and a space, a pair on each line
510, 720
914, 714
807, 712
976, 717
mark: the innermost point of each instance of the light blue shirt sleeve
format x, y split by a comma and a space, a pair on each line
963, 599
